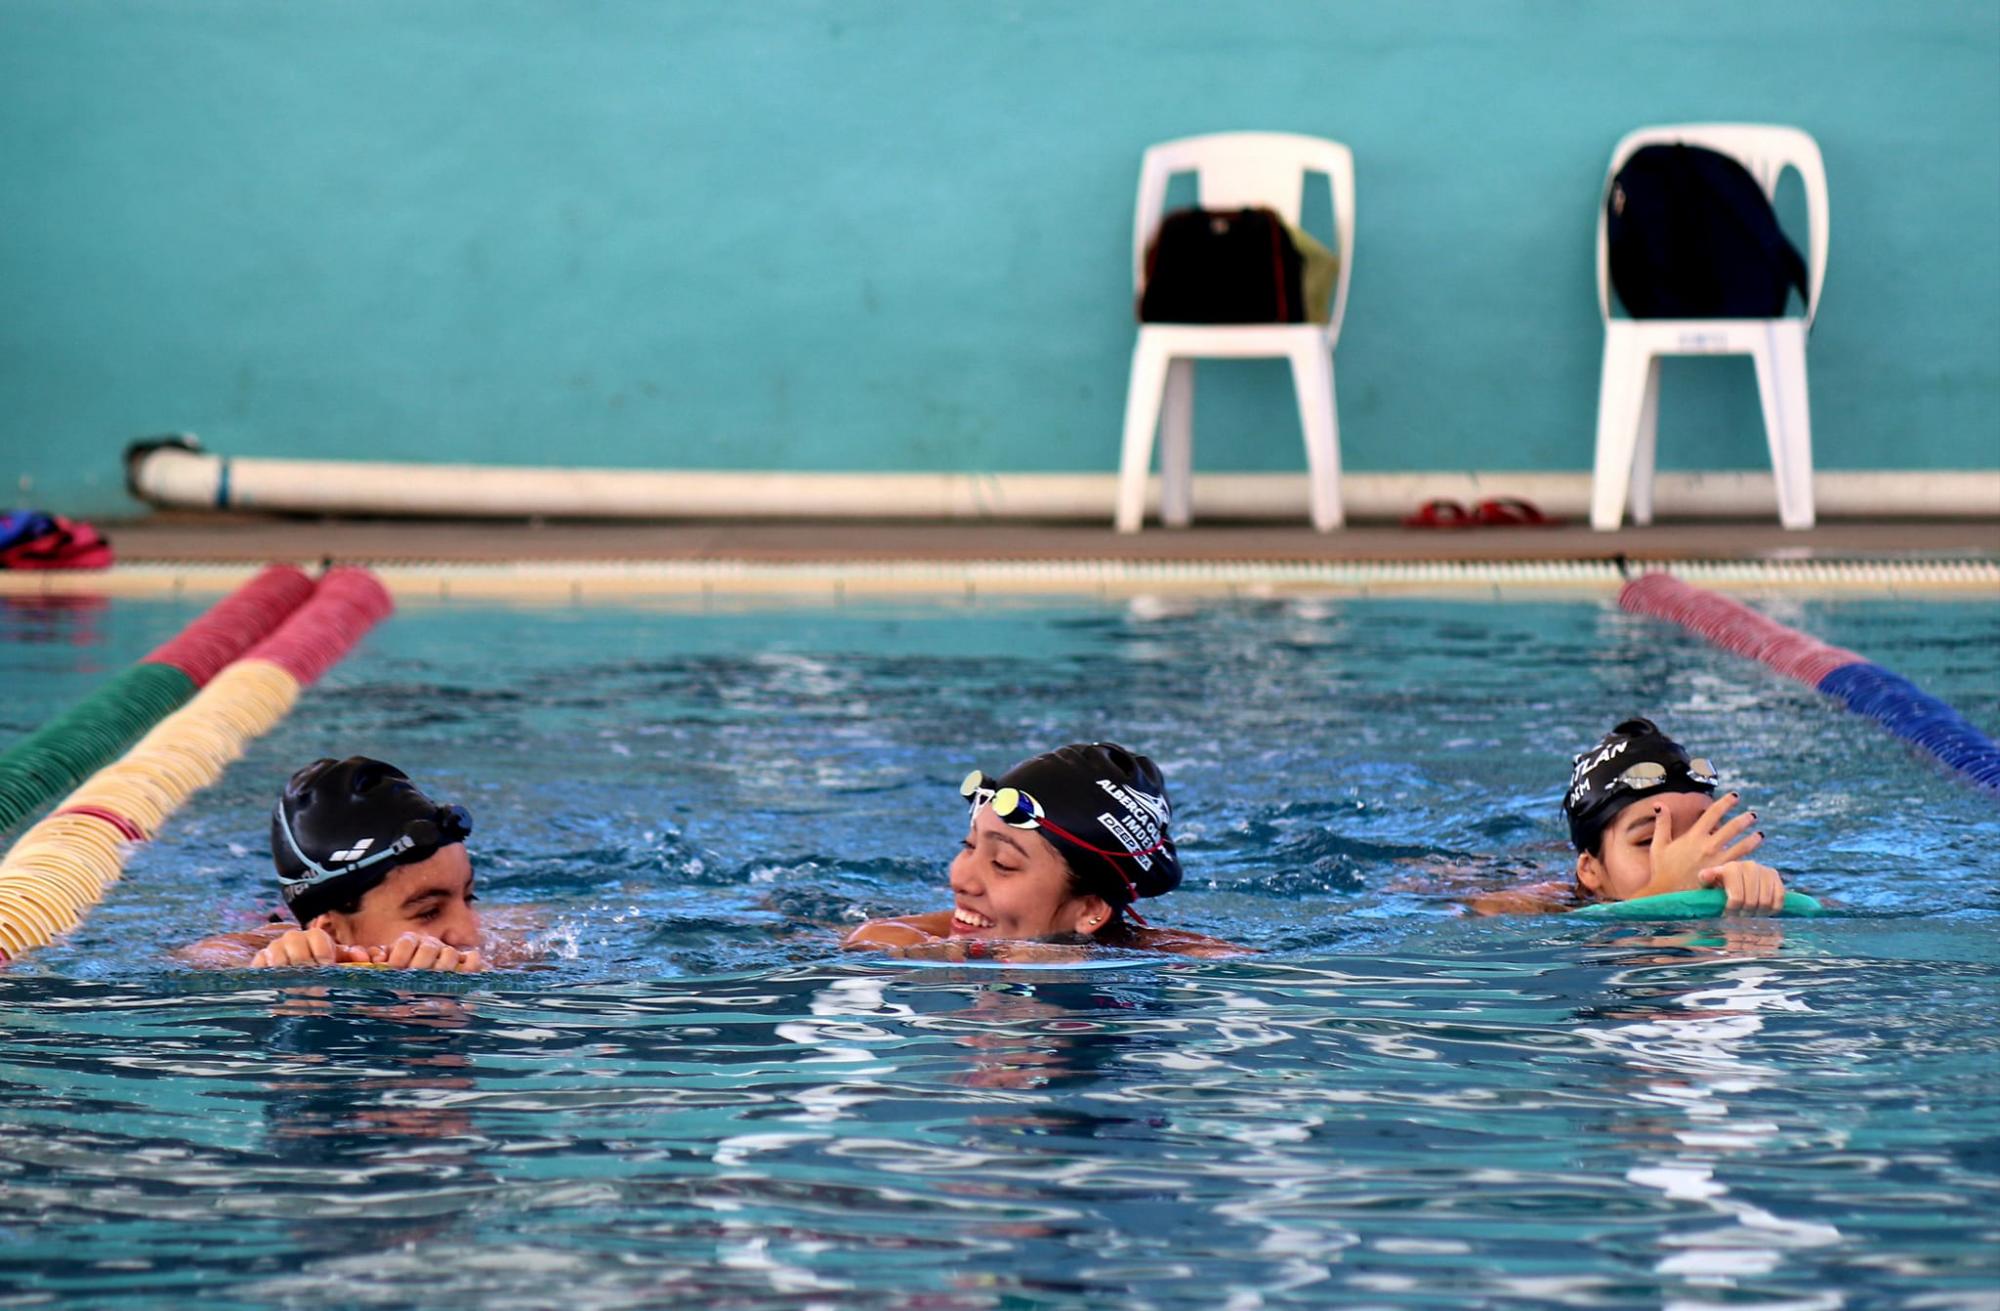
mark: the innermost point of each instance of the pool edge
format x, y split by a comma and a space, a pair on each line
624, 581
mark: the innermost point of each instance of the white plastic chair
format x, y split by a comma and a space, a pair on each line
1628, 402
1233, 170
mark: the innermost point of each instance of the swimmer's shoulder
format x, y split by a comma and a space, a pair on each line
229, 950
902, 931
1553, 897
1180, 942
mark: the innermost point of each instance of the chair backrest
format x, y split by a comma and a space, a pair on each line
1765, 150
1240, 170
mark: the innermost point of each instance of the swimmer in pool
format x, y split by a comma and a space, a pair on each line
374, 871
1056, 852
1644, 820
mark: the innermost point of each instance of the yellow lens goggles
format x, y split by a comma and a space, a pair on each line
1010, 805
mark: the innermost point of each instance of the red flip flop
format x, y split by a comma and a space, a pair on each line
1511, 512
1440, 513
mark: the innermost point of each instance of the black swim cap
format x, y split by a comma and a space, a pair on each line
341, 826
1603, 781
1107, 813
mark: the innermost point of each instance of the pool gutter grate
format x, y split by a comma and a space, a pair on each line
582, 581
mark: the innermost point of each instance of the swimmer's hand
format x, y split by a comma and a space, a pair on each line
1753, 889
1680, 860
417, 951
305, 948
310, 948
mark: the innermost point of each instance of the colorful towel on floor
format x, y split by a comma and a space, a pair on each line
30, 539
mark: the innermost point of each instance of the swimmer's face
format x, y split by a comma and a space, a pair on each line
1010, 883
432, 897
1624, 863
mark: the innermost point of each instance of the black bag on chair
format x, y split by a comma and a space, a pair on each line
1222, 266
1692, 236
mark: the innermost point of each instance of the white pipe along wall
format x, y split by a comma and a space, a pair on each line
178, 477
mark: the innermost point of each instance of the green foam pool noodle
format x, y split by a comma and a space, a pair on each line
1697, 903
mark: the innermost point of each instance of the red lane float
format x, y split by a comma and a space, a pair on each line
1735, 627
1864, 687
236, 623
346, 604
61, 866
61, 754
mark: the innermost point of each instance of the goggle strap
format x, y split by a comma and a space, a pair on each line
321, 873
1131, 888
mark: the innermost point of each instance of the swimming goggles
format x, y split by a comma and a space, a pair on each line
450, 824
1017, 809
1650, 774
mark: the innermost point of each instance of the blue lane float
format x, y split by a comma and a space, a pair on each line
1888, 698
1699, 903
1916, 716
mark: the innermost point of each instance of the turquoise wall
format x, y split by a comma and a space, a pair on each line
895, 235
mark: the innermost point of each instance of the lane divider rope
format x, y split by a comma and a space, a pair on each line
1865, 688
62, 866
63, 752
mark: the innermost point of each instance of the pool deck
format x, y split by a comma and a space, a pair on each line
241, 538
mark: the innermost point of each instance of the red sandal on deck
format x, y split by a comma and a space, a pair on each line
1511, 512
1440, 513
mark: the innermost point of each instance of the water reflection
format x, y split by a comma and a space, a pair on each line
1685, 1030
699, 1102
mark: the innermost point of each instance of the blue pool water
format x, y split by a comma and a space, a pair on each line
694, 1099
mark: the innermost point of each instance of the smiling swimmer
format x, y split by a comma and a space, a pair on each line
1057, 851
374, 871
1642, 821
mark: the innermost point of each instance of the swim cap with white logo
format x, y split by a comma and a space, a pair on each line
1101, 795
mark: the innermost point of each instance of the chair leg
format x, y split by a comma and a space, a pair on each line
1781, 386
1312, 379
1142, 416
1620, 394
1649, 438
1177, 446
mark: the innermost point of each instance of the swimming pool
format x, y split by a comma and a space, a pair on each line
696, 1099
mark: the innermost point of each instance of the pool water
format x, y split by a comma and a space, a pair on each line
694, 1098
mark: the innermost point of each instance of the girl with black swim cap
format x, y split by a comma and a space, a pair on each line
1644, 819
1057, 849
374, 872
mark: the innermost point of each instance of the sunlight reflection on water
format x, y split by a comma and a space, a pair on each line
697, 1100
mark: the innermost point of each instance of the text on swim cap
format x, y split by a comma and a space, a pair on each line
1134, 845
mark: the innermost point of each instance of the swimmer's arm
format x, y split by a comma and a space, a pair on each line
928, 937
1552, 898
272, 944
227, 951
1182, 943
903, 931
